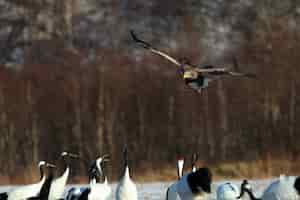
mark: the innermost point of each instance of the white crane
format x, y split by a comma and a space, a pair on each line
24, 192
194, 161
44, 192
172, 189
284, 188
100, 191
228, 191
58, 185
195, 185
97, 190
126, 188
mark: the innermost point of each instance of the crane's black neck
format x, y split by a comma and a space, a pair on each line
125, 154
93, 172
65, 163
44, 192
41, 172
194, 161
246, 189
251, 195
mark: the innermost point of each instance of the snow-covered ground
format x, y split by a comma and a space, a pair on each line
156, 190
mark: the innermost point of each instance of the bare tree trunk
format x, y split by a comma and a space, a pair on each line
292, 109
11, 150
111, 124
35, 138
77, 106
3, 132
208, 126
100, 117
31, 132
171, 104
142, 120
223, 119
292, 123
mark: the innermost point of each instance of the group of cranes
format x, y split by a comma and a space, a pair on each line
284, 188
97, 190
191, 186
196, 185
50, 188
47, 188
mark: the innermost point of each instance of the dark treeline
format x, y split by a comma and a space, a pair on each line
91, 99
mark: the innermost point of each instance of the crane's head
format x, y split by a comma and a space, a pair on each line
71, 155
42, 163
101, 160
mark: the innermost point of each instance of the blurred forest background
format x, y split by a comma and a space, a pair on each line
72, 79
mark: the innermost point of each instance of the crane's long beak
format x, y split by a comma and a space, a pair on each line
106, 158
51, 165
72, 155
251, 75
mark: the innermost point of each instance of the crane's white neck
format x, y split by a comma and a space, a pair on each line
194, 169
126, 173
180, 163
105, 180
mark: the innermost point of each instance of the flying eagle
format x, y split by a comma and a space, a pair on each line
195, 77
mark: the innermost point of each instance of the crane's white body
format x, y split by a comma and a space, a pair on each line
281, 189
172, 189
227, 191
126, 189
24, 192
100, 191
185, 193
58, 186
75, 192
172, 192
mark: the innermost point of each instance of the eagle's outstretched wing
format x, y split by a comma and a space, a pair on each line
219, 71
148, 46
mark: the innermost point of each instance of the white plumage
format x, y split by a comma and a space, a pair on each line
281, 189
172, 192
172, 189
126, 189
27, 191
195, 185
284, 188
58, 186
184, 191
227, 191
96, 191
100, 191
